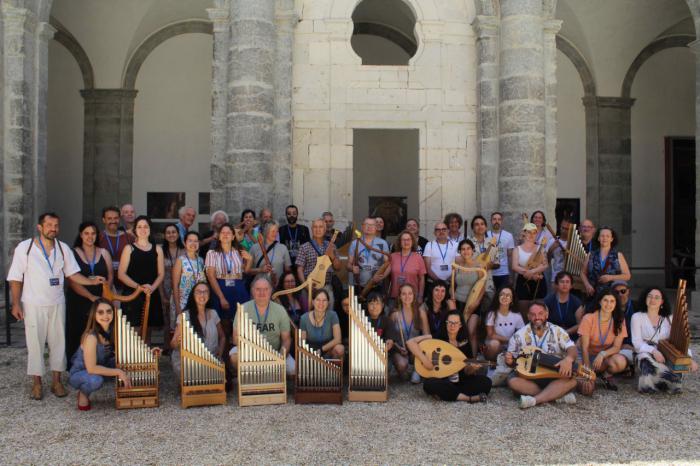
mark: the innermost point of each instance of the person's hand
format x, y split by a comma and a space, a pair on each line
147, 289
246, 255
471, 368
427, 363
508, 359
658, 356
598, 362
605, 279
267, 268
224, 304
330, 250
93, 298
124, 377
451, 304
98, 280
589, 290
178, 338
403, 351
565, 367
156, 352
389, 345
17, 311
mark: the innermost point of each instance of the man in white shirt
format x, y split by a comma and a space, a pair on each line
439, 255
36, 276
505, 245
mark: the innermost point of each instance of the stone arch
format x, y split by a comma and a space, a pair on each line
154, 40
375, 29
580, 63
657, 45
423, 11
66, 39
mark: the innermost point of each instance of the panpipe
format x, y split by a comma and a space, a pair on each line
139, 362
202, 375
675, 348
261, 369
318, 380
575, 252
368, 375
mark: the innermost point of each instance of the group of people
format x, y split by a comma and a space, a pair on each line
474, 291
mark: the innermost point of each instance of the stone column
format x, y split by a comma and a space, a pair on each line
286, 20
695, 297
486, 28
44, 34
108, 149
521, 110
615, 167
590, 104
551, 27
219, 99
249, 151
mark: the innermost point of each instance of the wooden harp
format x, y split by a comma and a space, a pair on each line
109, 296
476, 289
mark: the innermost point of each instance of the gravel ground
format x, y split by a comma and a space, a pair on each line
610, 427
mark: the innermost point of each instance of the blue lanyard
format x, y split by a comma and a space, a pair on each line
296, 233
228, 261
629, 308
46, 256
406, 328
367, 250
257, 314
316, 248
590, 245
109, 243
91, 263
194, 271
447, 246
561, 317
600, 330
272, 256
436, 328
602, 260
403, 263
541, 342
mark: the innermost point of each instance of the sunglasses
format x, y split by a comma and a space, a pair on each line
623, 291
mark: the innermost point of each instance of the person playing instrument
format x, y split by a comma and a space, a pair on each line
404, 325
93, 261
296, 304
172, 249
413, 228
604, 265
186, 216
187, 272
224, 267
277, 255
142, 266
467, 385
204, 321
128, 218
481, 246
602, 332
407, 266
209, 239
565, 309
553, 340
433, 311
501, 323
464, 282
36, 277
269, 318
650, 325
292, 234
311, 251
94, 359
505, 245
543, 234
622, 291
249, 231
379, 321
114, 240
439, 255
320, 327
454, 223
365, 256
529, 262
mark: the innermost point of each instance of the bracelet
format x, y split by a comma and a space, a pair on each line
603, 353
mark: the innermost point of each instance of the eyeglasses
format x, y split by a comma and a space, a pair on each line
441, 229
449, 322
654, 297
201, 292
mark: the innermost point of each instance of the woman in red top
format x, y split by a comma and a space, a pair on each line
407, 266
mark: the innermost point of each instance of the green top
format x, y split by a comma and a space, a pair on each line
271, 325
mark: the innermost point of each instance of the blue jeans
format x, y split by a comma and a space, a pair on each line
85, 382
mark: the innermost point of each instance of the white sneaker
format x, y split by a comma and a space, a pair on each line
568, 399
527, 401
415, 378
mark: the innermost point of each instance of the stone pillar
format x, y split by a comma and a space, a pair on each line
590, 104
249, 151
551, 27
615, 168
521, 110
286, 20
695, 297
219, 98
486, 28
108, 149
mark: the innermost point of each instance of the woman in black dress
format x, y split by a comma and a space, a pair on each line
93, 262
142, 266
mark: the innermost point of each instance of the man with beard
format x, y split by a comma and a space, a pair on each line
292, 234
505, 244
113, 239
553, 340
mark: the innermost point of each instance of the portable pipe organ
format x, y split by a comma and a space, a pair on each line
368, 375
140, 363
318, 380
202, 375
575, 252
675, 348
261, 369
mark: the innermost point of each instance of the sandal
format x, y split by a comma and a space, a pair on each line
608, 383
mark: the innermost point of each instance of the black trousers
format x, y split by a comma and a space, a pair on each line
469, 385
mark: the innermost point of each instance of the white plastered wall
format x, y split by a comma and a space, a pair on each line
334, 93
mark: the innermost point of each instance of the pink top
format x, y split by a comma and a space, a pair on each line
599, 340
407, 269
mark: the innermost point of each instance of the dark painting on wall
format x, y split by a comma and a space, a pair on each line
158, 228
394, 211
164, 205
204, 204
569, 208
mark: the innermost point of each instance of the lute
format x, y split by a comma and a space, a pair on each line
446, 359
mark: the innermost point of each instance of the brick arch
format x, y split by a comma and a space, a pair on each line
657, 45
66, 39
154, 40
580, 63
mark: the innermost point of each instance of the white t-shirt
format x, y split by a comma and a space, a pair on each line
504, 242
441, 258
506, 325
33, 270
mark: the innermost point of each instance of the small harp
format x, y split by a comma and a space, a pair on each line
261, 369
202, 375
374, 281
109, 296
368, 376
675, 348
318, 380
137, 359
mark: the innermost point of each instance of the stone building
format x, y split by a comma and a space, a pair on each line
456, 105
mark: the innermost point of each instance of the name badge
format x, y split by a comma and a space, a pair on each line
402, 280
54, 282
230, 282
115, 265
444, 267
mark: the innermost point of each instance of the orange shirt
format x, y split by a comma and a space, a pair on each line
589, 326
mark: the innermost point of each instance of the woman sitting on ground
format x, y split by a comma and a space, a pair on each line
404, 325
433, 311
466, 385
501, 323
320, 327
651, 324
602, 332
94, 359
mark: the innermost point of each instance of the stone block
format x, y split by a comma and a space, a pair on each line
341, 193
454, 183
341, 157
521, 116
316, 191
521, 7
522, 88
319, 156
521, 62
522, 32
319, 53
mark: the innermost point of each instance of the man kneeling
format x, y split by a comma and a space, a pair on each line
553, 340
